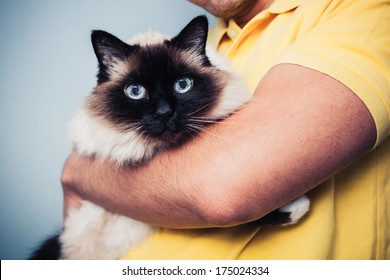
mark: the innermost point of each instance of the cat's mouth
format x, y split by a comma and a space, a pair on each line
167, 130
168, 136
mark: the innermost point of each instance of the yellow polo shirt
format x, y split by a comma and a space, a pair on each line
350, 214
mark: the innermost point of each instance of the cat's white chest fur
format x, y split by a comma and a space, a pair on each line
94, 233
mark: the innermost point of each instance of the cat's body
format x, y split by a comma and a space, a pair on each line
152, 94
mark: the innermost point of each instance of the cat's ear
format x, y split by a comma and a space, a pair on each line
194, 36
109, 51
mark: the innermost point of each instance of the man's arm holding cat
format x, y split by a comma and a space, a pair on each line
300, 128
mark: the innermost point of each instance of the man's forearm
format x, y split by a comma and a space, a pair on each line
125, 190
294, 134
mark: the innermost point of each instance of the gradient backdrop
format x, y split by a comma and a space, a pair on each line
47, 66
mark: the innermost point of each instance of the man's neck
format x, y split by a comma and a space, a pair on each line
245, 16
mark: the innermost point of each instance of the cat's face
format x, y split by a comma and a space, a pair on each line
162, 90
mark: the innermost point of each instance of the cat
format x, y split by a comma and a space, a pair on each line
153, 93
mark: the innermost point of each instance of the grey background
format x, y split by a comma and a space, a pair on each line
47, 66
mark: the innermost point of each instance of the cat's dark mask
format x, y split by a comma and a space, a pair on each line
161, 89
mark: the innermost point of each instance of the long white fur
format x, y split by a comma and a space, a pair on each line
94, 233
91, 136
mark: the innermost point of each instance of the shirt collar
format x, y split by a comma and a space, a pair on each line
231, 28
283, 6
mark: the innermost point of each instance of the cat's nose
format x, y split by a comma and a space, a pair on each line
163, 115
163, 111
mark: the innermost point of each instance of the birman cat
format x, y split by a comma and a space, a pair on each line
153, 93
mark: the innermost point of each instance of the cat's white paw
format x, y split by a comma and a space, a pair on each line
297, 209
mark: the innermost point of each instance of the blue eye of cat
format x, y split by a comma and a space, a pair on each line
183, 85
135, 91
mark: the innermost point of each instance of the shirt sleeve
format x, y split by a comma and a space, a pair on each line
352, 45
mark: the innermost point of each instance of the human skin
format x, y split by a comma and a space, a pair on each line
240, 10
294, 134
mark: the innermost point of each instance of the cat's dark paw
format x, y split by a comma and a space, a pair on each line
288, 214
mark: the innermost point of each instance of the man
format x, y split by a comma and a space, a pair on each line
318, 123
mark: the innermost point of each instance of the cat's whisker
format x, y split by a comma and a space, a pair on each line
200, 109
203, 120
132, 127
210, 131
193, 128
211, 121
191, 131
196, 132
199, 129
